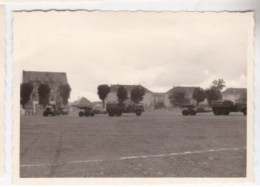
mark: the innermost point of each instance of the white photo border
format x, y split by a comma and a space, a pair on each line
175, 6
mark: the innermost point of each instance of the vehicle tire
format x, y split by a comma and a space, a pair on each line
244, 111
81, 114
119, 113
185, 112
193, 112
92, 114
217, 111
111, 114
44, 114
138, 113
225, 111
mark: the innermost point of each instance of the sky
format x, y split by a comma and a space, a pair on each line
158, 50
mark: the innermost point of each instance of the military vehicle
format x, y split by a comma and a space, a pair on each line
116, 109
54, 111
86, 111
89, 111
227, 106
189, 110
192, 110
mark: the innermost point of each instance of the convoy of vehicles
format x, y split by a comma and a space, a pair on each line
217, 107
117, 109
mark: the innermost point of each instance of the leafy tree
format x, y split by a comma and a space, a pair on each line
65, 93
137, 94
103, 91
220, 84
25, 92
178, 98
44, 94
121, 94
213, 94
199, 95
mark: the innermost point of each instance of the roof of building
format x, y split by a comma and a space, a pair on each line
32, 76
234, 91
159, 93
114, 87
83, 102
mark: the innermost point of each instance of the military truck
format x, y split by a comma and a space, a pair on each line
53, 110
226, 106
117, 109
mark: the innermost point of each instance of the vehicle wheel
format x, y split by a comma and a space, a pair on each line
119, 113
111, 114
185, 112
217, 111
193, 112
225, 112
81, 114
92, 115
138, 113
245, 112
44, 114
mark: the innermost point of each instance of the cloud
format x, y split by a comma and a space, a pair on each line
157, 50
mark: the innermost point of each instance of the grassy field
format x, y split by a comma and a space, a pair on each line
156, 144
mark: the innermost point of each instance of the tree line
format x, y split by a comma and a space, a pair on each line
44, 92
136, 93
212, 93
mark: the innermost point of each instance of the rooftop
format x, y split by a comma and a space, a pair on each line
32, 76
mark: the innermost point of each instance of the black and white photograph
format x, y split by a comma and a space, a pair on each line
141, 94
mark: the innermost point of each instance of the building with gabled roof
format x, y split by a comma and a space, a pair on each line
234, 94
188, 91
53, 79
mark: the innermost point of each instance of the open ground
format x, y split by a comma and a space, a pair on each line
156, 144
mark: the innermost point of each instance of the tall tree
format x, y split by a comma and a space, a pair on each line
103, 91
178, 98
44, 94
213, 94
137, 94
25, 93
65, 90
219, 83
121, 94
199, 95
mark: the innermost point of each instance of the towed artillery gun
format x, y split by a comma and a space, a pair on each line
53, 110
117, 109
192, 110
86, 111
87, 108
227, 106
189, 110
